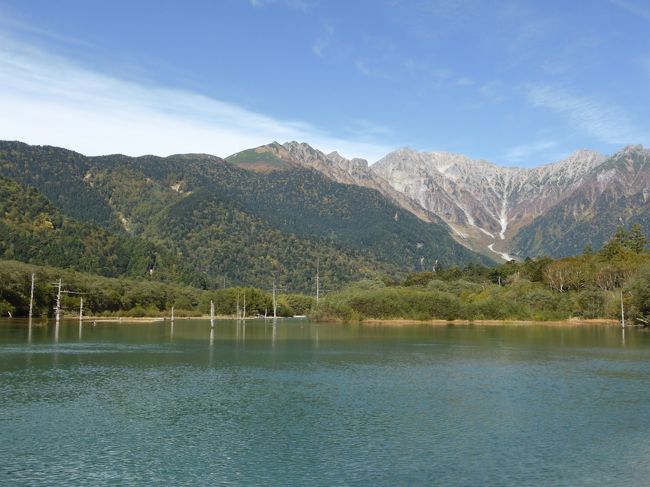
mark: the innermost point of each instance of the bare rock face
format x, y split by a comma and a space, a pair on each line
546, 186
615, 192
484, 203
354, 171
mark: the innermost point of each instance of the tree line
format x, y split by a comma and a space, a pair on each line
587, 286
129, 297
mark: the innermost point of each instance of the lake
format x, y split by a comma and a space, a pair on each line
321, 404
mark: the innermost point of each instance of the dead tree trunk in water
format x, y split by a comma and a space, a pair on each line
317, 281
275, 303
58, 302
31, 300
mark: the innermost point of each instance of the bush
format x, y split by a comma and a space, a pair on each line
590, 304
6, 308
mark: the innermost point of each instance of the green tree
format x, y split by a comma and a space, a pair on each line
636, 239
615, 245
640, 290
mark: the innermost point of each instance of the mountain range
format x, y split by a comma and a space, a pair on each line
556, 209
272, 212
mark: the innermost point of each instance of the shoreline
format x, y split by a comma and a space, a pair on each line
155, 319
368, 322
567, 323
138, 319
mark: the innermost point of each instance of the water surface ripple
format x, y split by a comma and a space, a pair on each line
316, 404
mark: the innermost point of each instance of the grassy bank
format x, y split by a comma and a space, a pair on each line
590, 286
128, 298
563, 323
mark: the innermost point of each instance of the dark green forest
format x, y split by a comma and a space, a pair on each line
199, 220
588, 286
32, 229
128, 297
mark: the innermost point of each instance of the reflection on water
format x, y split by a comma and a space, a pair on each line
295, 403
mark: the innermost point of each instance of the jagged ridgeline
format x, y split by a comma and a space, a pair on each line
555, 209
198, 219
615, 193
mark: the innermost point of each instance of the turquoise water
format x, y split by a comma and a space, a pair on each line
316, 404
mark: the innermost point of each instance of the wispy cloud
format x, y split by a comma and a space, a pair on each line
522, 152
555, 67
323, 42
432, 77
633, 8
363, 68
605, 122
364, 129
644, 62
295, 4
50, 100
492, 91
11, 22
373, 56
465, 81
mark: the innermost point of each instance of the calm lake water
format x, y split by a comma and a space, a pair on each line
317, 404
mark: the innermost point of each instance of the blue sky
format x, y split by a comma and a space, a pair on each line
513, 82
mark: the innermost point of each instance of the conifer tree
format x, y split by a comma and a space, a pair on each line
636, 239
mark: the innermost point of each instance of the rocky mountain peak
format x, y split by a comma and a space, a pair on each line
569, 169
446, 163
637, 153
302, 148
633, 149
483, 202
585, 154
357, 163
352, 171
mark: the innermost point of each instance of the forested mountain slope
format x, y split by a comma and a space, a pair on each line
222, 221
33, 230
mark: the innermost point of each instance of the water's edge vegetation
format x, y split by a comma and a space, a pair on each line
588, 286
